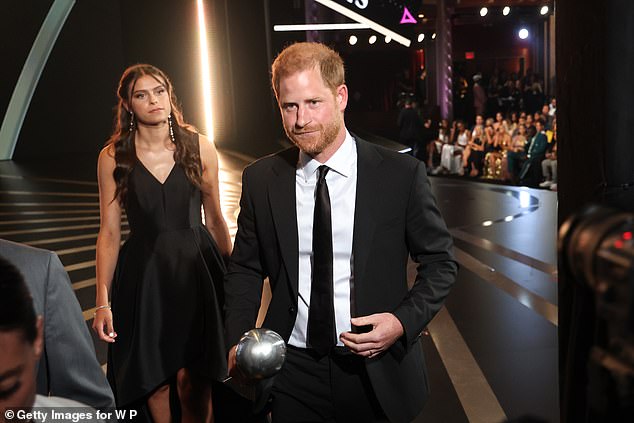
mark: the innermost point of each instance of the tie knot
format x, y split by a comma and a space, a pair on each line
323, 170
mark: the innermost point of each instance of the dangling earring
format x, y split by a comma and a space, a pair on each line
131, 127
169, 122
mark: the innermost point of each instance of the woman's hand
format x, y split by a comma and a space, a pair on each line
102, 325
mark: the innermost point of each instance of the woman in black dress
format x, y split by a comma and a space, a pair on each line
164, 326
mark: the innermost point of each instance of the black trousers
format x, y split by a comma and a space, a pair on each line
334, 388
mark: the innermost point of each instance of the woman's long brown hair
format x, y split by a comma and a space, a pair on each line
186, 155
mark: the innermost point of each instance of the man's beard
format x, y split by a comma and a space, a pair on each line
326, 135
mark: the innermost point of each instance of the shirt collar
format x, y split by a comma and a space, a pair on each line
340, 162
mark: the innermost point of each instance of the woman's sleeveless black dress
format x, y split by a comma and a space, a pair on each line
167, 290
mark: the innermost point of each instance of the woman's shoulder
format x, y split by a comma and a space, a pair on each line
205, 144
207, 150
107, 153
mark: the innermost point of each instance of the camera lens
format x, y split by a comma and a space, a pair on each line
596, 245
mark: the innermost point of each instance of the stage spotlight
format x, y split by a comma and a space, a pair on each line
506, 10
352, 40
433, 36
372, 39
544, 10
387, 39
523, 33
484, 11
205, 67
421, 37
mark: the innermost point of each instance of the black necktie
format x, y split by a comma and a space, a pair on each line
321, 314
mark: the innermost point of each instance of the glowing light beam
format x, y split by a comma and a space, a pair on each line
205, 70
29, 77
319, 27
362, 19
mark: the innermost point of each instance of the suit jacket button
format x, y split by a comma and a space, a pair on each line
292, 310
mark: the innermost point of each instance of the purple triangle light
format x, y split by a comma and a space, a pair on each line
407, 17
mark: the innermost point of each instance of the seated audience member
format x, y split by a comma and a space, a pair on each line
479, 121
499, 120
474, 154
476, 130
21, 345
451, 154
530, 124
512, 123
552, 107
435, 147
508, 126
496, 154
530, 132
551, 160
530, 174
547, 117
551, 133
549, 166
517, 154
520, 122
68, 367
489, 130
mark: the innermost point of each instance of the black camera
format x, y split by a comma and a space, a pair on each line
596, 250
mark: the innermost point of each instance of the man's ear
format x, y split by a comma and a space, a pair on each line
342, 96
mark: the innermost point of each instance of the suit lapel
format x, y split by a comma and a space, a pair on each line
281, 194
368, 179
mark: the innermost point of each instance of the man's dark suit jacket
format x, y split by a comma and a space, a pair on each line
395, 217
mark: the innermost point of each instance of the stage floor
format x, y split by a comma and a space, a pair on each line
491, 353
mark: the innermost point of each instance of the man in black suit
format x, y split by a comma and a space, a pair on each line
331, 223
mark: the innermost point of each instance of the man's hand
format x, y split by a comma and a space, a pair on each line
386, 329
232, 363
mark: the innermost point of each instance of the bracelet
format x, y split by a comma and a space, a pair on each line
103, 307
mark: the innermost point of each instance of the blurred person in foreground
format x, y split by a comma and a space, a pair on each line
68, 366
21, 345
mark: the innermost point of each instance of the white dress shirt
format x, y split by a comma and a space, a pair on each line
342, 188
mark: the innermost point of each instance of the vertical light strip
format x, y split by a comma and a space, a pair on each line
205, 71
30, 76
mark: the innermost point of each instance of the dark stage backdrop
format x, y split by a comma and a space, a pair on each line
21, 22
249, 120
71, 112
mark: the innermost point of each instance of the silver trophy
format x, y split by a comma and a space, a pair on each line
260, 353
